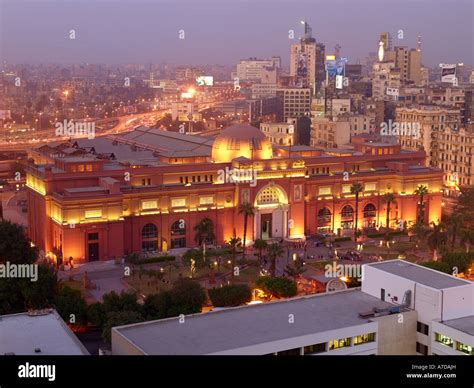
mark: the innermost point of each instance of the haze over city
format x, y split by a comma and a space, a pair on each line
222, 32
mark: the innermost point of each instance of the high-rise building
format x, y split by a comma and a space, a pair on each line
296, 102
385, 75
408, 61
307, 61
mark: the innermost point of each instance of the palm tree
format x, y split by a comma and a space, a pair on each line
260, 245
454, 225
233, 244
204, 231
275, 250
437, 237
467, 238
356, 189
388, 199
296, 269
247, 210
420, 191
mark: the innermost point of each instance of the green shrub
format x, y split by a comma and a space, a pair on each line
277, 287
231, 295
157, 259
339, 239
70, 303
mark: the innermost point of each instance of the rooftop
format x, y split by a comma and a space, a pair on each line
464, 324
21, 334
419, 274
243, 326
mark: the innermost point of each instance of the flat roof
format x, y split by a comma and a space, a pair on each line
243, 326
22, 333
419, 274
464, 324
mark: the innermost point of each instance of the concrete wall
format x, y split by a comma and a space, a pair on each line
458, 302
122, 347
397, 333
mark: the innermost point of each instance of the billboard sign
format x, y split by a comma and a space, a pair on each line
448, 72
302, 70
331, 67
205, 80
392, 92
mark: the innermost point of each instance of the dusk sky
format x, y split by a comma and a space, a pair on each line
226, 31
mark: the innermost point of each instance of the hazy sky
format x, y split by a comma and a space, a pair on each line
224, 31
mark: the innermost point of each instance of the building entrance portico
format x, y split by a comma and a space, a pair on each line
271, 216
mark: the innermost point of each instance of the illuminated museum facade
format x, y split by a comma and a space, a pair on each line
146, 190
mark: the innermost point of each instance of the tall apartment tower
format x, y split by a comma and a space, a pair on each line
303, 59
408, 61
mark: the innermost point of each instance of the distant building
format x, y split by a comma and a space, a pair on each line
296, 102
408, 61
280, 133
258, 70
384, 75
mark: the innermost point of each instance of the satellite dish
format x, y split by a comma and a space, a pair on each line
335, 285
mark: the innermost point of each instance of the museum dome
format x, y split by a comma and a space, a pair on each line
241, 140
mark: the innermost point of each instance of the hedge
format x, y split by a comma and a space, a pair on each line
157, 259
278, 287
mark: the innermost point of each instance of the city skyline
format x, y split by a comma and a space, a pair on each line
217, 34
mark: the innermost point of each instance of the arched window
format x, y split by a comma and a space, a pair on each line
324, 216
370, 211
178, 228
347, 212
149, 238
270, 195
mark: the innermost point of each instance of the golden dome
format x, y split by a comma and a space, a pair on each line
241, 140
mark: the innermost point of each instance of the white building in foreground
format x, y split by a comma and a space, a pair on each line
401, 309
42, 334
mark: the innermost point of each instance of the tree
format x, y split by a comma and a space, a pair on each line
454, 225
260, 245
71, 304
421, 191
96, 314
247, 210
460, 260
388, 199
233, 245
465, 206
119, 318
15, 246
356, 189
467, 238
437, 237
277, 287
204, 231
230, 295
156, 306
419, 231
125, 301
438, 266
296, 269
275, 250
186, 297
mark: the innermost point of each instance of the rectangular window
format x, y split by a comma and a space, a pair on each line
178, 202
422, 349
370, 187
290, 352
147, 205
89, 167
93, 213
80, 168
206, 200
364, 338
444, 340
422, 328
464, 348
324, 191
346, 189
315, 349
339, 343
